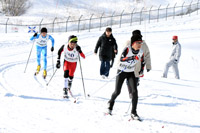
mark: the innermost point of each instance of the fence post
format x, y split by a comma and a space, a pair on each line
190, 8
101, 20
141, 15
198, 7
132, 17
6, 25
158, 13
79, 20
166, 11
40, 24
174, 11
112, 18
121, 19
150, 14
67, 22
182, 9
90, 22
53, 24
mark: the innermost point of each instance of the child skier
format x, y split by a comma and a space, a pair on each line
129, 58
71, 56
41, 46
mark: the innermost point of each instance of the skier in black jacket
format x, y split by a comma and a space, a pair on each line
129, 58
106, 43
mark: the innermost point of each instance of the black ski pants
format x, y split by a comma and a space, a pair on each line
130, 76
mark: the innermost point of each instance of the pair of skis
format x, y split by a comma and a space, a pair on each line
131, 119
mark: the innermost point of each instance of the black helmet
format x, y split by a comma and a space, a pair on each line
44, 30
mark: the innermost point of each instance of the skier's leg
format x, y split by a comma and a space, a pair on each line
176, 71
107, 68
129, 89
70, 82
118, 85
44, 51
133, 84
169, 64
66, 76
39, 50
72, 69
137, 81
129, 86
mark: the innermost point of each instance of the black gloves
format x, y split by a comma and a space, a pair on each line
58, 64
52, 49
148, 70
78, 48
35, 34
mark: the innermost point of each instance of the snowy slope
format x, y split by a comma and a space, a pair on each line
166, 105
65, 8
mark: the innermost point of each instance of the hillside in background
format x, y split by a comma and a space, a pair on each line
64, 8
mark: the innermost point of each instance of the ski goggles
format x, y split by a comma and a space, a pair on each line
73, 42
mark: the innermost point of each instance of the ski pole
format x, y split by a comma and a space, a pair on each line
129, 107
52, 62
103, 85
29, 57
82, 76
52, 77
108, 81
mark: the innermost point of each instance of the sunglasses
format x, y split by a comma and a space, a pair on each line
139, 42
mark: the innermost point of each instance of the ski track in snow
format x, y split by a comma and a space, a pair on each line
28, 105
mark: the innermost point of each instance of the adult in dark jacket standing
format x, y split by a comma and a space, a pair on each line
106, 43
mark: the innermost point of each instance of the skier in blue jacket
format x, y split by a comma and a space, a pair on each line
41, 46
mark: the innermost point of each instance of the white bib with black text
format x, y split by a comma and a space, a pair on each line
129, 66
71, 56
42, 41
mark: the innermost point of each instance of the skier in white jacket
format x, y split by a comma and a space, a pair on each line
174, 58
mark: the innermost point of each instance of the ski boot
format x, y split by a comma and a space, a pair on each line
44, 74
65, 94
37, 70
135, 117
109, 112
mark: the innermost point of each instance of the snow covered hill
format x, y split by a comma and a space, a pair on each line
65, 8
166, 105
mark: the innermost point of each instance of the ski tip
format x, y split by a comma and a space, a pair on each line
107, 114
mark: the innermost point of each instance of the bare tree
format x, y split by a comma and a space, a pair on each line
14, 7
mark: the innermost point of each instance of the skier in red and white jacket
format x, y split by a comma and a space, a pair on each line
71, 56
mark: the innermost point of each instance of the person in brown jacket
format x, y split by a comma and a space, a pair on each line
139, 68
